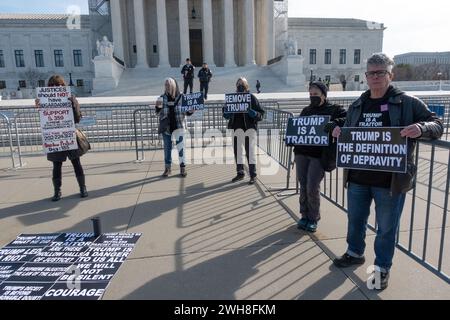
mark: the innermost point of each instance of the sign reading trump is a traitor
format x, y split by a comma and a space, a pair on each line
237, 102
307, 131
57, 120
378, 149
192, 102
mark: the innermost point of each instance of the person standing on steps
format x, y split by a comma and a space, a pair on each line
204, 75
188, 76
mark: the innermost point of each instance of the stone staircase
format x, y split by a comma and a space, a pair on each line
149, 82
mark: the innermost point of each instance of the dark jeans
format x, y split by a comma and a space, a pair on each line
190, 83
310, 173
240, 166
204, 87
168, 144
388, 209
57, 168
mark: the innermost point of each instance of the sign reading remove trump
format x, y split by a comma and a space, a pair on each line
57, 120
192, 102
379, 149
307, 131
237, 102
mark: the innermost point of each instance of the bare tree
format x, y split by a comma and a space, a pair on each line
32, 76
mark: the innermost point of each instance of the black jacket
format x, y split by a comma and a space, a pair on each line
404, 110
326, 154
204, 75
248, 122
188, 71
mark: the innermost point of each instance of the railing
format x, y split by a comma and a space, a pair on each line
428, 204
8, 119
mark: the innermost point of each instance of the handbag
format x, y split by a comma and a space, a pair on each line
83, 142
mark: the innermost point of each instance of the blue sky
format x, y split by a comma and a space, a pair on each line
411, 25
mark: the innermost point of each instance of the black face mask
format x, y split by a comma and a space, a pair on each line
315, 101
240, 88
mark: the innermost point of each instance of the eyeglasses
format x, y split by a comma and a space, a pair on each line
378, 73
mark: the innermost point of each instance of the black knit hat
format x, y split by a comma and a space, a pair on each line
321, 86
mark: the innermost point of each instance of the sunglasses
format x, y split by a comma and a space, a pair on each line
378, 73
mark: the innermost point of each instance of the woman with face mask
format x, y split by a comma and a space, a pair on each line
245, 126
311, 161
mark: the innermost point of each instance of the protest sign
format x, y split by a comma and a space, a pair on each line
192, 102
237, 102
57, 119
307, 131
379, 149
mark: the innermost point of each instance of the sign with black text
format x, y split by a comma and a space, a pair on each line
192, 102
57, 119
237, 102
307, 131
378, 149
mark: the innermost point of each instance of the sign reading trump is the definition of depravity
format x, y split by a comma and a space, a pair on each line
379, 149
57, 120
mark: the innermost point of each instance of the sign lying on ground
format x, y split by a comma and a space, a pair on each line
379, 149
307, 131
57, 120
237, 102
192, 102
70, 266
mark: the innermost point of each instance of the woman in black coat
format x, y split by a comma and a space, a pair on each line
58, 158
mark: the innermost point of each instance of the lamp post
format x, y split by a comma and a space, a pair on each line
70, 79
440, 80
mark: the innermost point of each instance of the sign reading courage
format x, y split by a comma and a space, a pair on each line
379, 149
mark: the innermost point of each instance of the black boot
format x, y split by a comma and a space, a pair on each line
57, 188
82, 184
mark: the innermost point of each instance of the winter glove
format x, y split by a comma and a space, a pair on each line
252, 113
329, 127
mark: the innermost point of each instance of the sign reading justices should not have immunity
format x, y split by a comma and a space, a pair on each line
192, 102
307, 131
57, 120
237, 102
62, 266
379, 149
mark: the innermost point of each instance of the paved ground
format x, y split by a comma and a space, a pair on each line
203, 237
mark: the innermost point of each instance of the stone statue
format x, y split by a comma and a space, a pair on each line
105, 48
290, 47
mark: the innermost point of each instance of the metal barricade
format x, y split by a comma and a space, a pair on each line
9, 118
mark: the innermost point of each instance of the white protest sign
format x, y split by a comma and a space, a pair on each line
57, 119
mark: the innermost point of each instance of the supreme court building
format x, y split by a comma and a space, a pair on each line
222, 33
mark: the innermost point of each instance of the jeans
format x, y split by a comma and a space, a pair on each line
310, 173
190, 83
167, 138
250, 153
204, 86
388, 209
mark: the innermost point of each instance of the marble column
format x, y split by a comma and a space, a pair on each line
208, 44
228, 29
163, 45
141, 39
183, 14
249, 14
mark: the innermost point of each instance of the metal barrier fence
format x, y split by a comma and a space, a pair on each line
439, 104
427, 204
8, 119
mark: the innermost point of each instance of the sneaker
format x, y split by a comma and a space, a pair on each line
383, 281
347, 260
311, 226
301, 224
252, 181
239, 177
